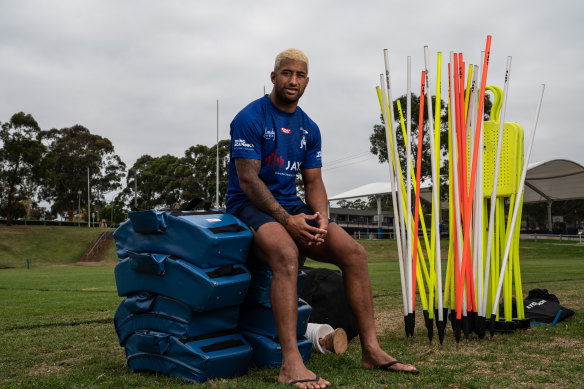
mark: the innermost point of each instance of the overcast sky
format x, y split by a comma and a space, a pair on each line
148, 74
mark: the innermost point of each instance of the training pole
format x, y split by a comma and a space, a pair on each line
462, 292
398, 173
418, 171
456, 201
435, 185
470, 287
441, 324
393, 195
437, 111
411, 260
496, 183
467, 210
515, 212
420, 253
417, 272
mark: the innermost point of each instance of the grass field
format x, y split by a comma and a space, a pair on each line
56, 328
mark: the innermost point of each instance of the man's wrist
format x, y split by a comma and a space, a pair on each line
282, 217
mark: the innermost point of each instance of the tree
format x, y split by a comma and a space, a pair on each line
356, 204
20, 168
40, 213
113, 212
169, 181
201, 162
158, 182
73, 151
379, 144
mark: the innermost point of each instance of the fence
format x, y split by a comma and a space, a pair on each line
62, 223
561, 237
99, 247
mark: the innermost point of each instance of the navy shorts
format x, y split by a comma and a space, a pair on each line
255, 218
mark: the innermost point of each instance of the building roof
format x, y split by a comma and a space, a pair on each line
380, 189
373, 189
557, 179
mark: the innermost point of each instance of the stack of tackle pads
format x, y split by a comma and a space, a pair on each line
184, 280
256, 320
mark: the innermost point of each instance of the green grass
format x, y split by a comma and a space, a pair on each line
45, 245
56, 331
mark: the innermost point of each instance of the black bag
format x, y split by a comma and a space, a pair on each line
543, 307
324, 292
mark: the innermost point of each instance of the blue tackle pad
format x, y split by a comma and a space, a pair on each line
147, 311
261, 280
203, 238
260, 319
201, 289
194, 359
267, 353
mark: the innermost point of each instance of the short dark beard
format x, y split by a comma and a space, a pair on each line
280, 95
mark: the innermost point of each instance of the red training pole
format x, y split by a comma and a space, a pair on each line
475, 153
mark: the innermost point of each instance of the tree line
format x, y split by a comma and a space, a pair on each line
60, 166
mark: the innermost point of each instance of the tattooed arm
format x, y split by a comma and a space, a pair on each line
257, 191
261, 197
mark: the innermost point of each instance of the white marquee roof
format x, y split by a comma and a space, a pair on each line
375, 188
558, 179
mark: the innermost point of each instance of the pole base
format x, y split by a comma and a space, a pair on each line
465, 326
480, 324
429, 325
457, 329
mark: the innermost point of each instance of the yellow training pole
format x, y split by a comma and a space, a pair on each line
429, 280
425, 234
518, 286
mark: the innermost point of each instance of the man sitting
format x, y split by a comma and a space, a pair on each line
272, 139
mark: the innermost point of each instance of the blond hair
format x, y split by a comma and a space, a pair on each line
293, 54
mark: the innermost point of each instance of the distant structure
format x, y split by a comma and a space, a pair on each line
362, 223
547, 181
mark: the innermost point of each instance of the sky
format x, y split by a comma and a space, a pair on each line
149, 75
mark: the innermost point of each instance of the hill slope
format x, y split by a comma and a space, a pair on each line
47, 245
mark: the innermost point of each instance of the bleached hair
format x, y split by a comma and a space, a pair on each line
293, 54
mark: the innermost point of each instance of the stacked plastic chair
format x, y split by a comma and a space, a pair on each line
256, 319
508, 183
183, 277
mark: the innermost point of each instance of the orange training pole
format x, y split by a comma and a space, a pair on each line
474, 159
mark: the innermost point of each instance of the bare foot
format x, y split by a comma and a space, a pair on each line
303, 378
378, 358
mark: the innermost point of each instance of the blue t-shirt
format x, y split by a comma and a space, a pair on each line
284, 143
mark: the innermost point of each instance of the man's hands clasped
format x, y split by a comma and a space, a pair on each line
304, 233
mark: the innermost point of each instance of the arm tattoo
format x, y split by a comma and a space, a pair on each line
257, 191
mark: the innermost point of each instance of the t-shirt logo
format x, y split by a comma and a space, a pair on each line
242, 143
269, 134
273, 160
303, 142
285, 130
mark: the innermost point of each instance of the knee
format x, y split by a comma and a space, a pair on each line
286, 262
356, 256
359, 253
